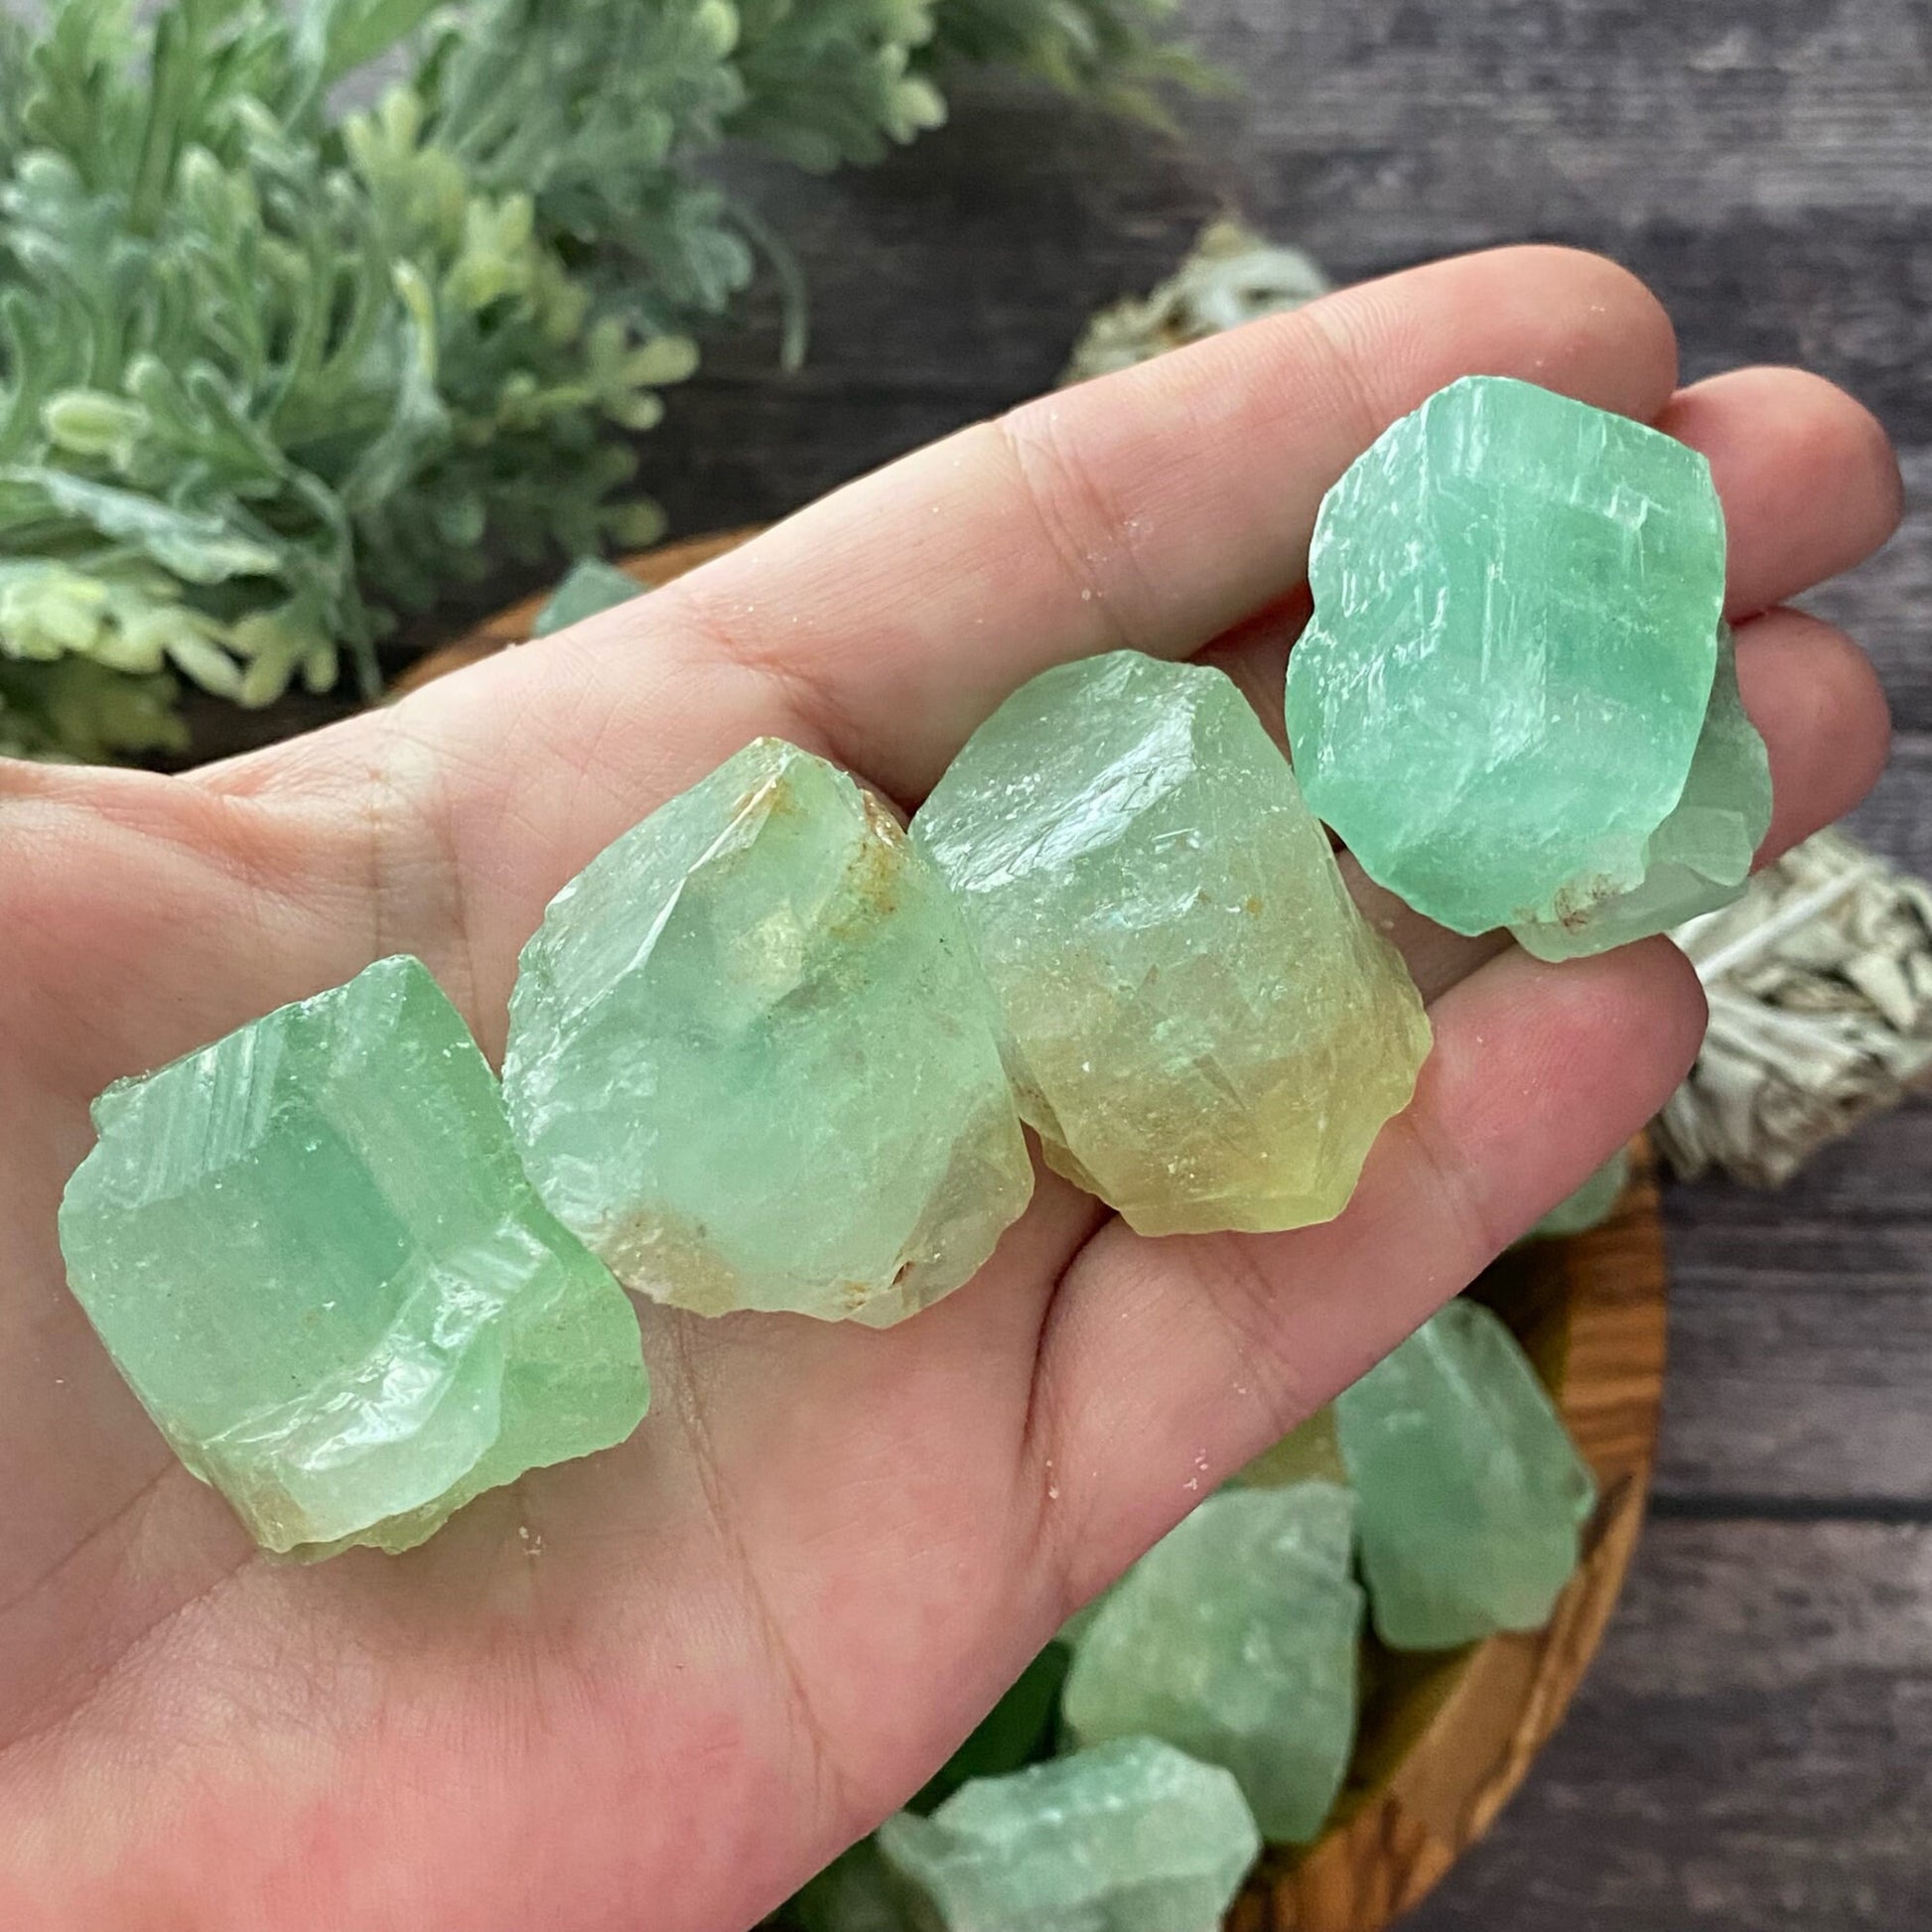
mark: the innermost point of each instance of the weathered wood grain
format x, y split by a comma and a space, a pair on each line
1801, 1321
1753, 1751
1898, 817
1801, 1333
1764, 162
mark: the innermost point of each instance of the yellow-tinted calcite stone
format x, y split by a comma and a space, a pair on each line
1202, 1028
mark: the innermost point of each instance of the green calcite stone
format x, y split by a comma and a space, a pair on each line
313, 1254
1235, 1639
1202, 1029
1698, 860
1590, 1204
753, 1061
1516, 608
1129, 1837
588, 586
1470, 1496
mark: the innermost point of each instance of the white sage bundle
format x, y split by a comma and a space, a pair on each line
1232, 276
1820, 983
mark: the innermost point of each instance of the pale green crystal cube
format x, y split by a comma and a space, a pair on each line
1470, 1495
1236, 1638
311, 1250
753, 1062
1203, 1030
1129, 1837
1516, 605
1699, 858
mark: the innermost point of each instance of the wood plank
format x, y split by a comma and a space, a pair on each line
1898, 817
1801, 1320
1801, 1331
730, 453
1752, 1752
1702, 150
1770, 170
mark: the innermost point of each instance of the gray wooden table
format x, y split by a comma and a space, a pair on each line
1751, 1752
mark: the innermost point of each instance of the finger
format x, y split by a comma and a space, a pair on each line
1809, 481
1166, 1364
1152, 508
1817, 701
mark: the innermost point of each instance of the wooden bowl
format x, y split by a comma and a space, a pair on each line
1445, 1738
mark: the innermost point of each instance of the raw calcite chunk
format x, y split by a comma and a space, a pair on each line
1236, 1638
1590, 1204
1700, 857
587, 587
1129, 1837
1516, 610
1470, 1496
1203, 1030
313, 1254
753, 1061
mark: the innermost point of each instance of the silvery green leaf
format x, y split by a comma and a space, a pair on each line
199, 547
257, 356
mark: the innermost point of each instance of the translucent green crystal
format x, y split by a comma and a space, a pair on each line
588, 586
1236, 1638
311, 1250
1516, 608
1129, 1837
1698, 860
1590, 1204
753, 1061
1470, 1496
1202, 1029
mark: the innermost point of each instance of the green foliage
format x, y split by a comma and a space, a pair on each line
1110, 51
270, 375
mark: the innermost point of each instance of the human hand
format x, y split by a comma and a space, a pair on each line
659, 1688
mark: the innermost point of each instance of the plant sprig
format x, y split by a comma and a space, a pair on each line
271, 375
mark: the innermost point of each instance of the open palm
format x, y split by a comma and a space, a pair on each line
659, 1688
